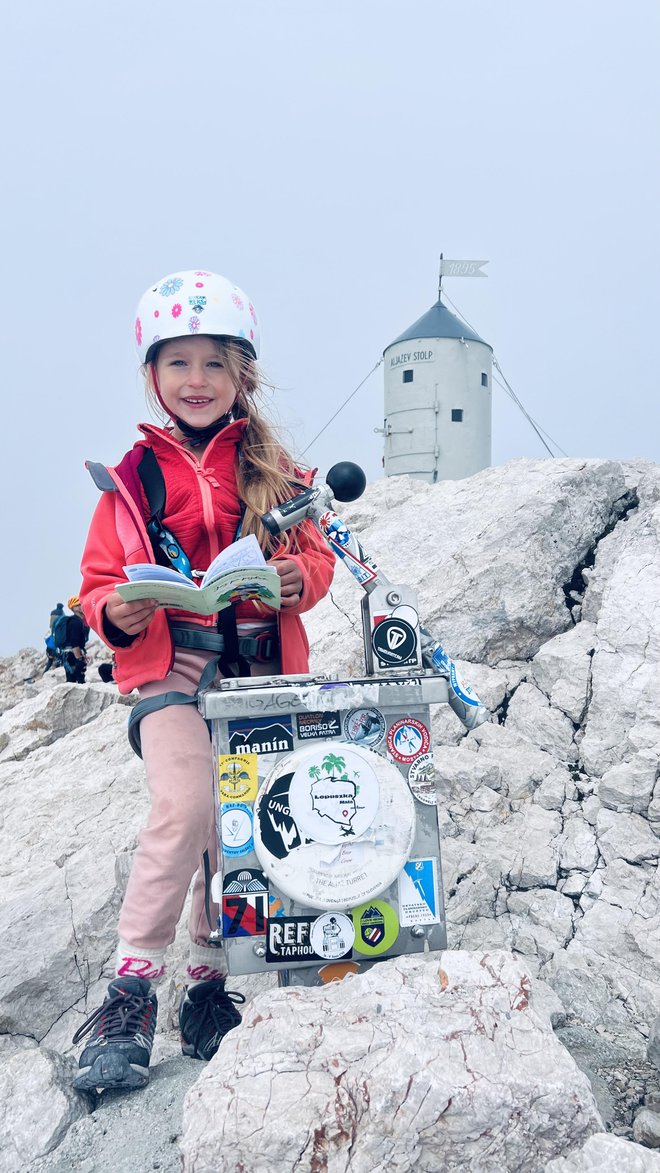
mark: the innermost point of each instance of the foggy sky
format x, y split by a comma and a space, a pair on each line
321, 156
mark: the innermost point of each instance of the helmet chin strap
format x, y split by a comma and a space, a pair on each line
197, 436
194, 436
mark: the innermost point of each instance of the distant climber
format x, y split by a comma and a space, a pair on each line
70, 634
58, 610
52, 658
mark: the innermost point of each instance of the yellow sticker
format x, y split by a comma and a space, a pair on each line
237, 777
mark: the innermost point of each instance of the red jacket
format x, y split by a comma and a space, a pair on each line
203, 511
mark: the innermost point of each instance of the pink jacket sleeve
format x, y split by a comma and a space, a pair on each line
102, 566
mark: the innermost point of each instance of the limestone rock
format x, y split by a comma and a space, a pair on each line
577, 847
477, 1081
653, 1050
522, 766
526, 847
42, 719
623, 714
489, 555
625, 885
628, 786
531, 716
552, 791
562, 669
66, 825
37, 1105
20, 676
584, 994
624, 948
459, 770
646, 1128
623, 836
551, 910
604, 1153
573, 884
653, 813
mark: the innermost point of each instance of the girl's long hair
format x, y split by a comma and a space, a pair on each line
266, 473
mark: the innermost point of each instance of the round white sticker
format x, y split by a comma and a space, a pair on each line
332, 935
333, 794
338, 875
236, 828
364, 726
407, 739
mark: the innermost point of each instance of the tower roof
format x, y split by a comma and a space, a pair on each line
438, 322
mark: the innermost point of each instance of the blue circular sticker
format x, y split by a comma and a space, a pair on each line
236, 828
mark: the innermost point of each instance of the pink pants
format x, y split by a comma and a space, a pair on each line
176, 750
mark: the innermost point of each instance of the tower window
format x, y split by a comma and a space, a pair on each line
407, 376
484, 379
457, 415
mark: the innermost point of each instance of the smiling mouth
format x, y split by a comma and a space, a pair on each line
197, 402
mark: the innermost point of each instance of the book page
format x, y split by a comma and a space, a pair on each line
245, 552
147, 571
165, 592
261, 584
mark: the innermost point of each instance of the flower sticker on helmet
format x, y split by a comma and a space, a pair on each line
171, 286
138, 331
212, 304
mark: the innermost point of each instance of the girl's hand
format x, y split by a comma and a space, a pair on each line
291, 583
131, 618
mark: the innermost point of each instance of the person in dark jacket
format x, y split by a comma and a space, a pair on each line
52, 657
74, 660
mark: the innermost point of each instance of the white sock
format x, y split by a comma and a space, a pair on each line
205, 964
143, 963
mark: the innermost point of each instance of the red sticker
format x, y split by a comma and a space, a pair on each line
245, 915
407, 739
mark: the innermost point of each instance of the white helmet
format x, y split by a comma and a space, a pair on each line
194, 302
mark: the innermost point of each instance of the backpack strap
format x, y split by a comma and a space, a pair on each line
153, 483
166, 548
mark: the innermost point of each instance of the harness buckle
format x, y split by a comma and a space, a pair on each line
267, 647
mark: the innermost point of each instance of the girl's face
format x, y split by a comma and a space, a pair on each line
194, 382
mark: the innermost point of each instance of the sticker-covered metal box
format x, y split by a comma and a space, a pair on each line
329, 850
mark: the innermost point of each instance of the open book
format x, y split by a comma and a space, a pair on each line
238, 574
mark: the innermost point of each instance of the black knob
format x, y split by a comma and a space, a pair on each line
346, 480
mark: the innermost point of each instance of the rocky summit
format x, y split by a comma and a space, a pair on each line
533, 1042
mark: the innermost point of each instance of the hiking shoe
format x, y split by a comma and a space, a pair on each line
117, 1055
206, 1013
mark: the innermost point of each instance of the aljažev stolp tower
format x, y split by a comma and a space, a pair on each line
438, 377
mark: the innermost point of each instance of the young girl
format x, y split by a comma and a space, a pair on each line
221, 468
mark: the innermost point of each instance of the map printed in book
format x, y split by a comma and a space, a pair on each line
238, 574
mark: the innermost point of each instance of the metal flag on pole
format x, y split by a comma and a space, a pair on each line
461, 268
